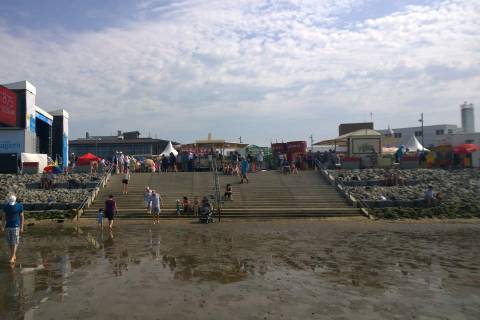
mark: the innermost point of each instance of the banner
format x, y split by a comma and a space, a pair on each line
8, 107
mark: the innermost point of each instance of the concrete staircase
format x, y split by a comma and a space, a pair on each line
268, 195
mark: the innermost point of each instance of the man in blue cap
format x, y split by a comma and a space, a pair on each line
12, 224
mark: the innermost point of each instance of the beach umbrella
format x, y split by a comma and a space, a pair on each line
53, 169
87, 158
466, 148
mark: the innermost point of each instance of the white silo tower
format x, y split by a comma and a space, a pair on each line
468, 117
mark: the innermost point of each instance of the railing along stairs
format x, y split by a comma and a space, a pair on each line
216, 190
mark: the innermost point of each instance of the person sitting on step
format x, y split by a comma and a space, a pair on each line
185, 205
228, 192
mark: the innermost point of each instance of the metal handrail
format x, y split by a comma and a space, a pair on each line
103, 180
216, 184
361, 203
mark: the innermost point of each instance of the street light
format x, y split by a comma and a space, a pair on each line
96, 145
421, 121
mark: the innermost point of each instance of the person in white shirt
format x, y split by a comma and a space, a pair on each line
260, 157
156, 205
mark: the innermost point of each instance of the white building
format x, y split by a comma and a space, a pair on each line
444, 134
432, 135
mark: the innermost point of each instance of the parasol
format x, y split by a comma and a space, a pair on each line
53, 169
466, 148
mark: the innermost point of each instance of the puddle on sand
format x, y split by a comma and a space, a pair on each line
352, 268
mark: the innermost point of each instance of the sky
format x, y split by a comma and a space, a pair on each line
263, 70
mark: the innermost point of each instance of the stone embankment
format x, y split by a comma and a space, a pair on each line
459, 191
68, 191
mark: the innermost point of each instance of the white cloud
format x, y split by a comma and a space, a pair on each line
217, 65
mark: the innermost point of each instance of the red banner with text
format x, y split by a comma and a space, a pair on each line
8, 107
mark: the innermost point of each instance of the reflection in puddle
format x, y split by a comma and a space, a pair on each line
379, 264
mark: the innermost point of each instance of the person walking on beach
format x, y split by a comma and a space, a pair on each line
244, 168
156, 205
110, 210
12, 225
125, 180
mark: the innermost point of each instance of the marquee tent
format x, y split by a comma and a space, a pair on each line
86, 159
169, 149
413, 145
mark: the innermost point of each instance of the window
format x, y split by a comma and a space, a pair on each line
469, 141
397, 134
450, 131
418, 133
440, 132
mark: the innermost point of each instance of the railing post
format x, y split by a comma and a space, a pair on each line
216, 185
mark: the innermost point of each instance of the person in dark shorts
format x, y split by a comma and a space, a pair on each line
125, 180
244, 169
12, 225
173, 162
110, 210
228, 192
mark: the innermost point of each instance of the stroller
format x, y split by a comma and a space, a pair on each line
205, 214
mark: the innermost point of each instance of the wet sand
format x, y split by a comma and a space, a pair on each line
319, 269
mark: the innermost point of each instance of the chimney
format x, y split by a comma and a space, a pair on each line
468, 117
87, 135
119, 133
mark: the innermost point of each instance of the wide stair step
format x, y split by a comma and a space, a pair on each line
268, 195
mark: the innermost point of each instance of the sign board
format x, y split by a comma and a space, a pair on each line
8, 107
363, 145
12, 141
296, 147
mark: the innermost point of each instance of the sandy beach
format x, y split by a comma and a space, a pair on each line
318, 269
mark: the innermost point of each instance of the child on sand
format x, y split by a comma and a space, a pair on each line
156, 205
100, 218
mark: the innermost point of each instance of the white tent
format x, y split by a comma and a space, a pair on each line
413, 145
168, 149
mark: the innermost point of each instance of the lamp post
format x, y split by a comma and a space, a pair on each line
96, 146
421, 121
